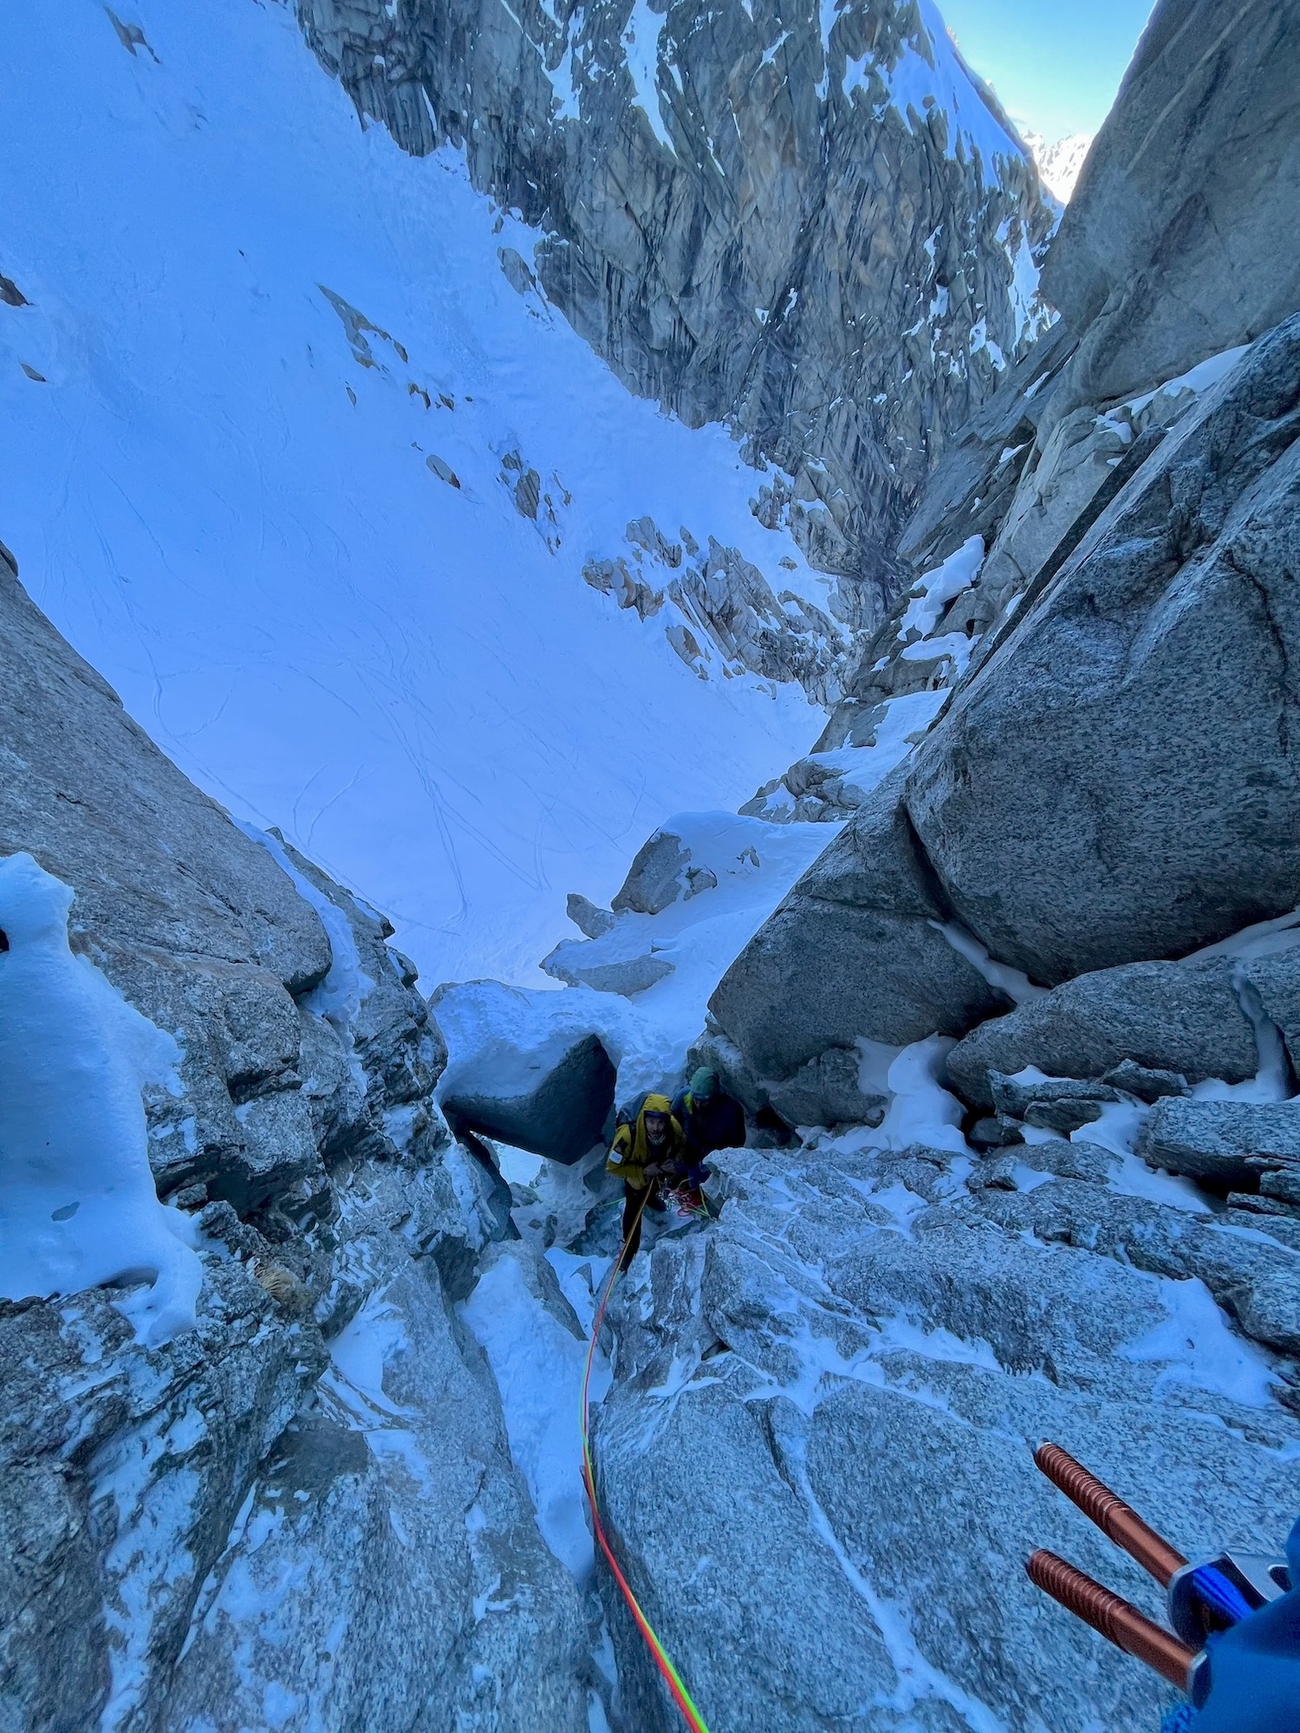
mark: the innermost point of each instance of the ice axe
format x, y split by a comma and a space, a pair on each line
1202, 1598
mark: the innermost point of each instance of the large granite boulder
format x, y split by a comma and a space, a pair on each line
537, 1081
1172, 247
1183, 1018
1232, 1146
857, 950
1118, 781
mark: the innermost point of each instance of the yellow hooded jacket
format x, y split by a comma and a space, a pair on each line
631, 1149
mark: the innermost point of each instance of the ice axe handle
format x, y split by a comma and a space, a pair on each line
1117, 1520
1116, 1619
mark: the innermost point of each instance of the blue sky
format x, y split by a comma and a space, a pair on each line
1055, 65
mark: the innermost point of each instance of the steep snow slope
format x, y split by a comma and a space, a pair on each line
250, 328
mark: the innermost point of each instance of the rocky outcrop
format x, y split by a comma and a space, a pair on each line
851, 1373
301, 1512
1153, 681
1180, 1018
858, 949
742, 220
1169, 251
1232, 1146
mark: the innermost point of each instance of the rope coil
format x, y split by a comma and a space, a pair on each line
671, 1677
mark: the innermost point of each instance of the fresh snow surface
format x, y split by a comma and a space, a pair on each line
935, 590
1199, 1347
920, 1109
538, 1366
323, 632
78, 1207
865, 767
497, 1036
1197, 379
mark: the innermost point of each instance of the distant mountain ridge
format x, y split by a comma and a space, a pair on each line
1060, 164
817, 226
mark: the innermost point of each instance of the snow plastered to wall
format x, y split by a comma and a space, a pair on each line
78, 1207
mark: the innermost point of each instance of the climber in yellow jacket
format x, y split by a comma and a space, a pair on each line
647, 1150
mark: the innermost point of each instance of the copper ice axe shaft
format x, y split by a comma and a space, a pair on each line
1116, 1619
1117, 1520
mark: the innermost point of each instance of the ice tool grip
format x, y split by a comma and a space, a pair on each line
1117, 1520
1116, 1619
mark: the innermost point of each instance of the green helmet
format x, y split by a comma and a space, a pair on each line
704, 1084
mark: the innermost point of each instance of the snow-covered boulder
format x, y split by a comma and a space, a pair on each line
555, 1099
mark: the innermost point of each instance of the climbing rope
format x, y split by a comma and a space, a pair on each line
672, 1678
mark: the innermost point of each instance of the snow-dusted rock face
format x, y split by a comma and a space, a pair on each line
300, 1511
1112, 780
848, 1376
1117, 782
815, 225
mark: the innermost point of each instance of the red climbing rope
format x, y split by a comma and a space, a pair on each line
672, 1678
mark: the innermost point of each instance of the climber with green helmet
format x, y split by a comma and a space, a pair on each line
710, 1120
648, 1152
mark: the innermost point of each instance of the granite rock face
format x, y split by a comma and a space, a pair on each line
1170, 249
851, 1372
741, 219
300, 1512
857, 949
1117, 781
1183, 1018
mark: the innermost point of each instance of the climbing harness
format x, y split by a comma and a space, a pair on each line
690, 1201
672, 1678
1205, 1600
